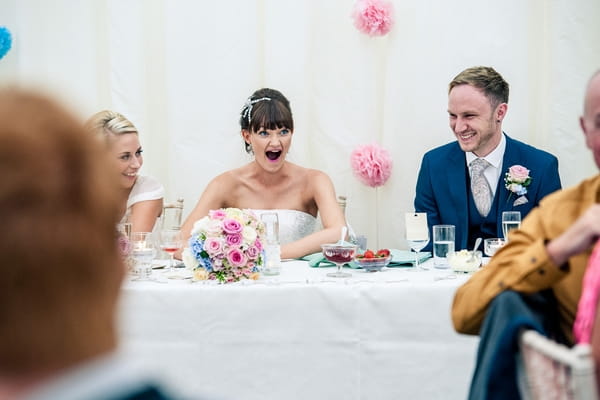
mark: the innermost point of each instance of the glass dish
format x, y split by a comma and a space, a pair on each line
373, 264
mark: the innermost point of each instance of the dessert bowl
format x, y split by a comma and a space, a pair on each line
373, 264
464, 260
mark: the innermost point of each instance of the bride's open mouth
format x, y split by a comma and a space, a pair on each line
273, 155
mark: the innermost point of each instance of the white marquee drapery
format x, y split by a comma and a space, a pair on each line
181, 70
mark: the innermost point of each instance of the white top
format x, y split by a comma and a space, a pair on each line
293, 224
145, 188
491, 173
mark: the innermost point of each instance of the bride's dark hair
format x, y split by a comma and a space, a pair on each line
266, 109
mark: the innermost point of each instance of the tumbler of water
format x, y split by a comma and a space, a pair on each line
443, 244
142, 252
272, 262
510, 220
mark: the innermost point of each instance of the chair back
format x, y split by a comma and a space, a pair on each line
550, 370
171, 215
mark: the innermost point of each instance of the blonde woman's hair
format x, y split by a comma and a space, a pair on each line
108, 123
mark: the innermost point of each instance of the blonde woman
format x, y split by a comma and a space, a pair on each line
142, 196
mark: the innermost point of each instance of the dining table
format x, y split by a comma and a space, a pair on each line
301, 334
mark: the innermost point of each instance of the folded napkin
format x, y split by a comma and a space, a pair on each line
400, 258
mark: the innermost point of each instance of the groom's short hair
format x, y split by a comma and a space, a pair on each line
487, 79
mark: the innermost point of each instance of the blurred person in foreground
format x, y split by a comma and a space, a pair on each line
61, 268
535, 281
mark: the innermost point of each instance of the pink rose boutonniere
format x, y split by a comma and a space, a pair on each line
516, 180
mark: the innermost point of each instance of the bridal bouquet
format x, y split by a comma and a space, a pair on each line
226, 245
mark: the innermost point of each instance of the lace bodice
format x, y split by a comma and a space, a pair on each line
293, 224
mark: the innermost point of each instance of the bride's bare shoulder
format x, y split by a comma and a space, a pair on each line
230, 178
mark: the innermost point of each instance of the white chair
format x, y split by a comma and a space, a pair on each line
549, 370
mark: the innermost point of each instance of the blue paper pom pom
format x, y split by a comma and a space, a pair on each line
5, 41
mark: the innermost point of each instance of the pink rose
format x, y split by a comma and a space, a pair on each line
234, 239
216, 214
236, 258
518, 173
252, 252
231, 226
213, 246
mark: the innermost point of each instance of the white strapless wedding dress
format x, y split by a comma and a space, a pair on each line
293, 224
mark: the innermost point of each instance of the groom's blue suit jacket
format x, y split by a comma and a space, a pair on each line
443, 184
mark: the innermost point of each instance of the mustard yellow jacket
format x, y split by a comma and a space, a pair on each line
523, 264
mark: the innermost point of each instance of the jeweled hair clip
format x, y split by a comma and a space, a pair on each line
248, 107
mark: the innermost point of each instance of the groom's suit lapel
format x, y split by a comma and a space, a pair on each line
456, 180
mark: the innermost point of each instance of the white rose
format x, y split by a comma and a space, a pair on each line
214, 227
188, 259
234, 213
249, 234
200, 225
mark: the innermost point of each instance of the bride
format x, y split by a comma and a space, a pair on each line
272, 183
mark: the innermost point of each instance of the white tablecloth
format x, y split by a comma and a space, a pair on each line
302, 335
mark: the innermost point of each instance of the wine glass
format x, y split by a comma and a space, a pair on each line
339, 254
170, 242
417, 233
417, 245
510, 220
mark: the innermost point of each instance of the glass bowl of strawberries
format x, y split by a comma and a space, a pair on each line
372, 261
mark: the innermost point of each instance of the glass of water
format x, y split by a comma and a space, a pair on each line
510, 220
443, 244
142, 252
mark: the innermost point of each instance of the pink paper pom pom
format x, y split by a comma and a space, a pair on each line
371, 164
373, 17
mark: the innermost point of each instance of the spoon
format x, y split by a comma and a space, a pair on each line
477, 243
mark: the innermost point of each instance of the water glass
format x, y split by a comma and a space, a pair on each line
142, 252
443, 244
510, 220
492, 245
272, 262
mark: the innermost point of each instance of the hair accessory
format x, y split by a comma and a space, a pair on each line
248, 107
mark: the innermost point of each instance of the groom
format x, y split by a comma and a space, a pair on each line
470, 182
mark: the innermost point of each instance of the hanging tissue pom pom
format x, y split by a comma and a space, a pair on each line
371, 164
373, 17
5, 41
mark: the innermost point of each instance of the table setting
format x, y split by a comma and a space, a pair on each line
303, 334
341, 323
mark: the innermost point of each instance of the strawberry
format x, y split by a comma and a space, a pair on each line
383, 253
369, 254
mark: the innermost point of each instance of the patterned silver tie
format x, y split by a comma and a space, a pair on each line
480, 188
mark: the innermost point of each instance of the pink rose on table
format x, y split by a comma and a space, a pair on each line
234, 239
236, 257
217, 214
230, 226
518, 173
213, 246
252, 252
